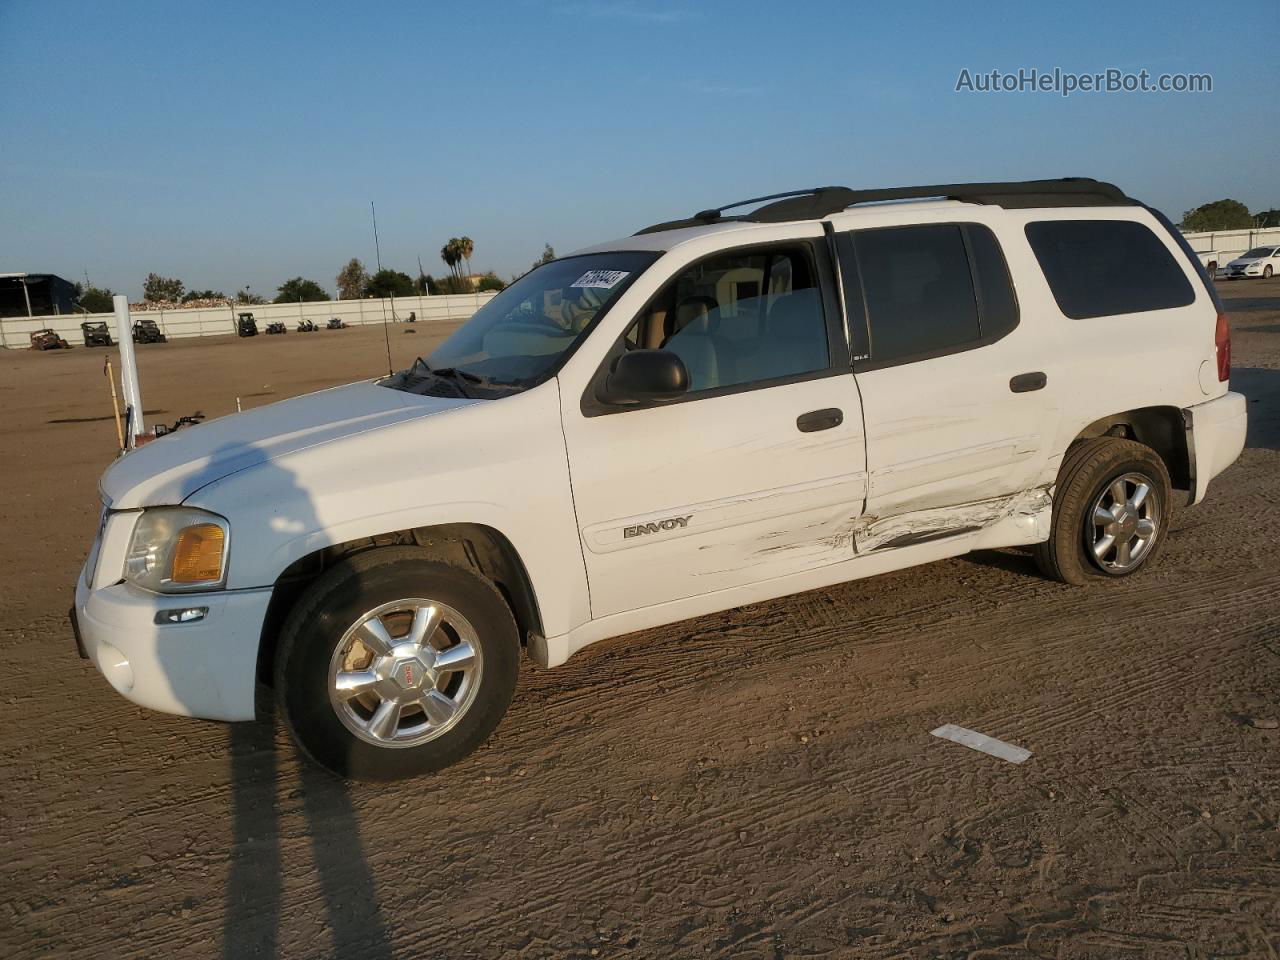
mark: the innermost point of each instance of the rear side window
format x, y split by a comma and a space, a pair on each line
929, 290
1098, 268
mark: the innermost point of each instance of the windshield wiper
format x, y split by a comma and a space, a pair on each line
452, 374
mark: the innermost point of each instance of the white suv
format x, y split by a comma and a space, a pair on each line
712, 412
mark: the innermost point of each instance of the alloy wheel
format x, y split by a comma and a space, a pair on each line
405, 672
1122, 525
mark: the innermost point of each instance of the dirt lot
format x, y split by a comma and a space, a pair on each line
755, 783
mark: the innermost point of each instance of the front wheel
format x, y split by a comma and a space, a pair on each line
1266, 272
395, 663
1111, 511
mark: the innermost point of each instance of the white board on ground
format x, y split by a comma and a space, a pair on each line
980, 741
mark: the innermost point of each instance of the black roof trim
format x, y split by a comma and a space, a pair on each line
819, 202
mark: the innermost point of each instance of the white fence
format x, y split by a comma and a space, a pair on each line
1229, 244
15, 332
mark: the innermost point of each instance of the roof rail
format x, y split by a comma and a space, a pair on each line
819, 202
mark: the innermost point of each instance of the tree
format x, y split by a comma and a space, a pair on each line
299, 288
97, 300
465, 249
548, 254
352, 280
490, 281
450, 255
247, 297
203, 295
453, 284
158, 289
389, 283
1268, 218
1219, 215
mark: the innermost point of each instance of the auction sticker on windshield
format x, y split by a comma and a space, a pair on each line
600, 279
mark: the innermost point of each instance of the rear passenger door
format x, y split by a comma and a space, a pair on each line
952, 385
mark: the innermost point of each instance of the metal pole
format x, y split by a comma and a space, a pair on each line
26, 294
128, 371
115, 402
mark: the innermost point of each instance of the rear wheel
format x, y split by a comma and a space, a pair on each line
1111, 511
395, 663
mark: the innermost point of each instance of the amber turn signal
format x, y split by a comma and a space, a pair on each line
198, 555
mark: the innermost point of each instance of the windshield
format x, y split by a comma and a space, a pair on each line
520, 336
1256, 253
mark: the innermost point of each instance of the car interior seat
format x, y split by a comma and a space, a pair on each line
694, 341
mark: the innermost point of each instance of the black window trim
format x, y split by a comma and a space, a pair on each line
864, 360
839, 363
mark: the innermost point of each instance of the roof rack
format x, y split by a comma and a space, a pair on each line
819, 202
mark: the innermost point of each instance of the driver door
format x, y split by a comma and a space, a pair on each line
758, 471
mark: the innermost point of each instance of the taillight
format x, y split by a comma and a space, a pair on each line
1222, 340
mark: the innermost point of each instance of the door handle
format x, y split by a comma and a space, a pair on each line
816, 420
1026, 382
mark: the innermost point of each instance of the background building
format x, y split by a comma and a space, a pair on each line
35, 295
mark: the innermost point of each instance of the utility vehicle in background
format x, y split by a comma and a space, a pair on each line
48, 339
715, 411
147, 330
96, 334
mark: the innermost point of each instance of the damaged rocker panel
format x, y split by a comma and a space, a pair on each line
876, 533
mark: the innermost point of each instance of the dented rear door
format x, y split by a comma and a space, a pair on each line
957, 389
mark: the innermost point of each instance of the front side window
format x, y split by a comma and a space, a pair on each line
522, 335
1099, 268
740, 318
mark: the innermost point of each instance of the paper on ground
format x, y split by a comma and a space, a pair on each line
980, 741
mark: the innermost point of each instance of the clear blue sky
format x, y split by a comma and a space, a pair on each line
234, 143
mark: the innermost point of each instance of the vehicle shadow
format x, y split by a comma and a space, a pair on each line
1011, 560
1261, 388
1252, 304
254, 904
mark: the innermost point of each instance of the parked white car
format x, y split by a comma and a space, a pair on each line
712, 412
1258, 262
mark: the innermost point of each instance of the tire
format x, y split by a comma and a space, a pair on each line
342, 732
1086, 482
1266, 272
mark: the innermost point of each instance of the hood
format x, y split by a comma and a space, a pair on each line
172, 468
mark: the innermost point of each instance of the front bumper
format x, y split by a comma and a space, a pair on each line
203, 669
1215, 437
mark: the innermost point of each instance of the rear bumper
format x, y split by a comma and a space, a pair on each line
1215, 438
203, 669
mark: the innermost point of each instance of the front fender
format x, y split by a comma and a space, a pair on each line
500, 463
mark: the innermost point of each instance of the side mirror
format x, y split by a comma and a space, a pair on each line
646, 376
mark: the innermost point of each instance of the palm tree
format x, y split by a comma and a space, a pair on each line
449, 254
465, 249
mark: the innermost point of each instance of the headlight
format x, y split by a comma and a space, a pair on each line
176, 549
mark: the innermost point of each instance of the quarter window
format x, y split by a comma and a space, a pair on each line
1099, 268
